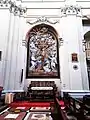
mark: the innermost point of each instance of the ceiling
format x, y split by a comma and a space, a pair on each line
53, 0
43, 0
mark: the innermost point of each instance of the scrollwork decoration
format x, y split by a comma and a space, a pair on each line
86, 16
42, 19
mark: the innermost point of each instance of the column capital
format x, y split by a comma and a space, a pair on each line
4, 3
71, 10
17, 10
12, 7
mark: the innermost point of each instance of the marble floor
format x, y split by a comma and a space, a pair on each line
26, 113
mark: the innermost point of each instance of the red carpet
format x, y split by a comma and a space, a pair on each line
33, 104
30, 104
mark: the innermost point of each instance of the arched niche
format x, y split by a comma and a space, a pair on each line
42, 52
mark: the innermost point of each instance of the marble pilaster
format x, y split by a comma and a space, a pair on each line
14, 50
4, 26
84, 73
9, 49
18, 82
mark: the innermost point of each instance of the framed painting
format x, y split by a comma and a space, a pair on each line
42, 54
74, 57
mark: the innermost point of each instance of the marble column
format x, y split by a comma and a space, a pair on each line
84, 73
4, 27
14, 51
71, 71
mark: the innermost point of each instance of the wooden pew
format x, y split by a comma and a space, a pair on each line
76, 106
86, 102
61, 113
56, 112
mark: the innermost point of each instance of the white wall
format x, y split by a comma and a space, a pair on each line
68, 30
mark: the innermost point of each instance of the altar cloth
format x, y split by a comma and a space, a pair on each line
41, 88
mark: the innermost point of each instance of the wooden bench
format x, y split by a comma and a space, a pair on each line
77, 106
56, 112
61, 112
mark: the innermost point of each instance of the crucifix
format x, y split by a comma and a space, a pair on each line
43, 45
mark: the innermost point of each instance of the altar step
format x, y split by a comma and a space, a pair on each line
30, 104
41, 100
